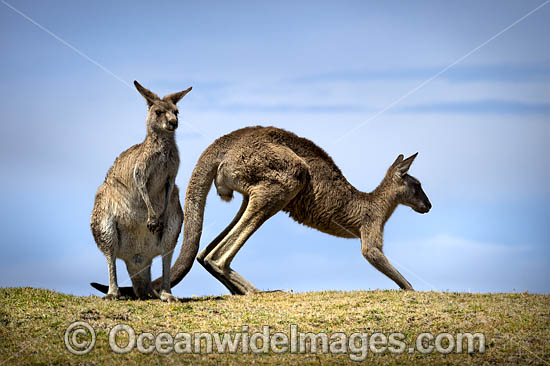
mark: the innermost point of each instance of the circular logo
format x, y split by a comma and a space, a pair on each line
79, 338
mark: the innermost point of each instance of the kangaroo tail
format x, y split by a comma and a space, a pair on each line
193, 213
195, 201
124, 291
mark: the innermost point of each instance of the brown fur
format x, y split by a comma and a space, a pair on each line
137, 213
276, 170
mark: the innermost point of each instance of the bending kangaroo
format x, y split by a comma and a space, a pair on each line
276, 170
137, 213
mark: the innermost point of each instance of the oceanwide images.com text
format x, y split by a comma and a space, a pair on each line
80, 339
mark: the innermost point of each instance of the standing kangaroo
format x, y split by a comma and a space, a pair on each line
137, 213
276, 170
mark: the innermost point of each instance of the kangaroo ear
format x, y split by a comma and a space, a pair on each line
404, 165
149, 96
176, 97
398, 160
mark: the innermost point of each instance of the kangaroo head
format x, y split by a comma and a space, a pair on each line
163, 113
409, 190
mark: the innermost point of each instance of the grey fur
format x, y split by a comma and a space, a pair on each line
137, 213
276, 170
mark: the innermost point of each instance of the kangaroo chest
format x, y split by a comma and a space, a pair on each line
323, 209
164, 164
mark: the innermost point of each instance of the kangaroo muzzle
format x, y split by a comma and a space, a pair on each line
172, 125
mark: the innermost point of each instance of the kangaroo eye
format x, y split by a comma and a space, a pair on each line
158, 113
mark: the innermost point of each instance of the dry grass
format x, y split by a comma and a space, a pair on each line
516, 326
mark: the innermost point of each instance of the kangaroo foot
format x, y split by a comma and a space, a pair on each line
167, 297
234, 282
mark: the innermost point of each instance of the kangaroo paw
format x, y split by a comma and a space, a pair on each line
166, 297
124, 291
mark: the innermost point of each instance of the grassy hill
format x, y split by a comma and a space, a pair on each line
516, 326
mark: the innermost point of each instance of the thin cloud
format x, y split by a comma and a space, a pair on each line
293, 108
498, 107
467, 73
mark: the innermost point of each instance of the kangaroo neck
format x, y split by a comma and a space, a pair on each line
161, 139
382, 202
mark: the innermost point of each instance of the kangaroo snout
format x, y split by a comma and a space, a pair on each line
172, 124
426, 207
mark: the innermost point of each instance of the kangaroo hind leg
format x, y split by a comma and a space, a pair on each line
202, 255
219, 259
283, 176
168, 242
106, 235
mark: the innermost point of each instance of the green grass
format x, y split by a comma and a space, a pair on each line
516, 326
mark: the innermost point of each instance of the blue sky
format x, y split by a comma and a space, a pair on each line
319, 69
